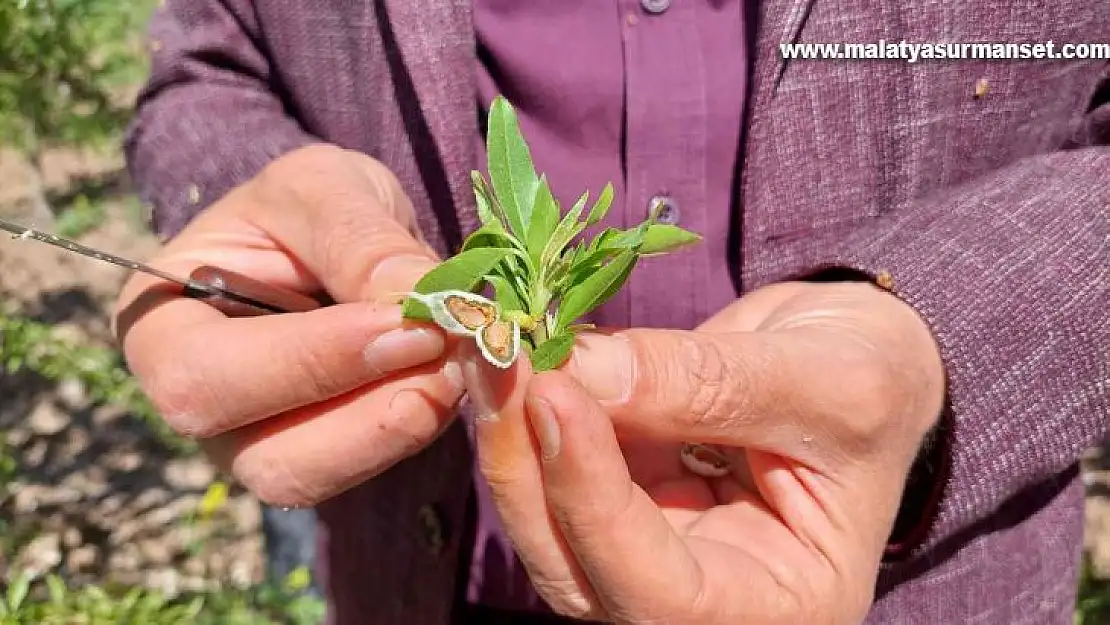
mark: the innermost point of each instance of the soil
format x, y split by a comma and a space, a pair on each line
97, 498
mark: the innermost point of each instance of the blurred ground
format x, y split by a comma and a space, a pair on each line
97, 497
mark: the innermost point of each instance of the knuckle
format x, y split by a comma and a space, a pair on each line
175, 393
270, 478
710, 377
867, 410
315, 368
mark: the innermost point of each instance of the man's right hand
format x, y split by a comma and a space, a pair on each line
300, 406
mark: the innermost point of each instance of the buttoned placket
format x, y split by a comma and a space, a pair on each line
665, 111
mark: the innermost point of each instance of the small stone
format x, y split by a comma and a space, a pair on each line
82, 558
47, 419
35, 454
155, 551
125, 559
72, 392
76, 442
151, 497
71, 538
245, 513
194, 567
167, 581
189, 473
27, 497
40, 556
125, 461
217, 564
193, 583
240, 574
18, 436
125, 531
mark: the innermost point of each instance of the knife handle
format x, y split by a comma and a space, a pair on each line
237, 295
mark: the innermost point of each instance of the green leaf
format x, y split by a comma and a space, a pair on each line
491, 234
545, 218
483, 200
56, 589
601, 206
553, 352
663, 238
17, 592
590, 263
510, 166
567, 229
505, 293
462, 273
596, 289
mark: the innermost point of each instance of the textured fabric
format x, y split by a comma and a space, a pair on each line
989, 213
650, 102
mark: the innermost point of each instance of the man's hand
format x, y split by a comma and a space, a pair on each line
298, 406
822, 392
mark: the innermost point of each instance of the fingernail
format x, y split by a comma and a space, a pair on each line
477, 378
603, 364
399, 273
402, 348
542, 417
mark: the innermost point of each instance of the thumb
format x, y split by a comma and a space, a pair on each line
773, 391
626, 548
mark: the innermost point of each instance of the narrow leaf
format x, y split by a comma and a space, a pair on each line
483, 190
17, 592
567, 229
591, 262
553, 352
663, 238
505, 293
484, 201
601, 206
596, 289
459, 273
510, 166
545, 218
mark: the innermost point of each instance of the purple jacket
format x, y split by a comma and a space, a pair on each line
988, 213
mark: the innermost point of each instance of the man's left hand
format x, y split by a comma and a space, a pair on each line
822, 392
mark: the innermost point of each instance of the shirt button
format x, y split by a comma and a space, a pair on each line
667, 207
655, 6
433, 531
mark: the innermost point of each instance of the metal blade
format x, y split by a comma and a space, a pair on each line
25, 233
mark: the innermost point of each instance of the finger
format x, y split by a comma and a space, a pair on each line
346, 218
509, 461
195, 374
779, 391
304, 456
638, 566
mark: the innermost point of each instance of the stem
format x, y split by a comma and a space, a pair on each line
539, 334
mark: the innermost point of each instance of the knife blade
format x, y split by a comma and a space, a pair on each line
232, 293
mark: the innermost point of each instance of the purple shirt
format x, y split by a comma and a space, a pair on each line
650, 101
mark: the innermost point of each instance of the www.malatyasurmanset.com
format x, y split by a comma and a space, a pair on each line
913, 52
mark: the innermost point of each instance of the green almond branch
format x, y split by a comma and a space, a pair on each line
542, 275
